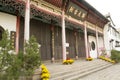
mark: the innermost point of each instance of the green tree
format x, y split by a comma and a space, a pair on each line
31, 56
7, 57
12, 65
4, 49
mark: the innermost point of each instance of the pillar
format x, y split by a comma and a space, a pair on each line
53, 43
17, 33
27, 21
86, 39
63, 36
97, 42
76, 45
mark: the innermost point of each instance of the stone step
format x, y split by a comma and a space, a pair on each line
81, 67
75, 65
73, 72
77, 77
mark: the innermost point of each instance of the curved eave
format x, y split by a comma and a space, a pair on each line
92, 9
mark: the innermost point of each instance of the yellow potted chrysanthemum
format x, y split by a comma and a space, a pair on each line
45, 75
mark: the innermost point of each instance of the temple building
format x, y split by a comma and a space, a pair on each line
64, 28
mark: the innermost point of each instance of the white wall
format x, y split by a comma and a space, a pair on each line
100, 42
109, 34
100, 45
93, 53
107, 38
8, 21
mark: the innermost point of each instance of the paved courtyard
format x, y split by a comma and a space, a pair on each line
111, 73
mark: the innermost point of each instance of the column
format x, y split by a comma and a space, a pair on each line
53, 43
97, 42
27, 21
17, 33
63, 36
76, 45
86, 39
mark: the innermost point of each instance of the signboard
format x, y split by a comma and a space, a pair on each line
76, 12
67, 44
13, 39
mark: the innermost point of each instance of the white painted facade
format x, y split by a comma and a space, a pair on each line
111, 37
100, 45
8, 21
93, 52
100, 42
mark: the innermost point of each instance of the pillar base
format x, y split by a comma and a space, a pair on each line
53, 59
76, 57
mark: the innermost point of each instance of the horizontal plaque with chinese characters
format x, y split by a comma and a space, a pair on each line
76, 12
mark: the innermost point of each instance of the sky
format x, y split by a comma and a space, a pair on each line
108, 6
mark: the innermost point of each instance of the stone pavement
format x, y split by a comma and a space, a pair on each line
76, 71
111, 73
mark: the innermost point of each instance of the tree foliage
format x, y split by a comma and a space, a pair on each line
115, 55
13, 65
7, 57
31, 56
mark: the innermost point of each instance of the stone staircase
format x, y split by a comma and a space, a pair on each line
78, 69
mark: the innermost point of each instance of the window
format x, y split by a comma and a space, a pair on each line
117, 44
93, 45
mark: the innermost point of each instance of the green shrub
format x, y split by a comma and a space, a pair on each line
9, 63
12, 65
31, 57
115, 55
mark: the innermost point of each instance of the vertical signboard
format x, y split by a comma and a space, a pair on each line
13, 39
